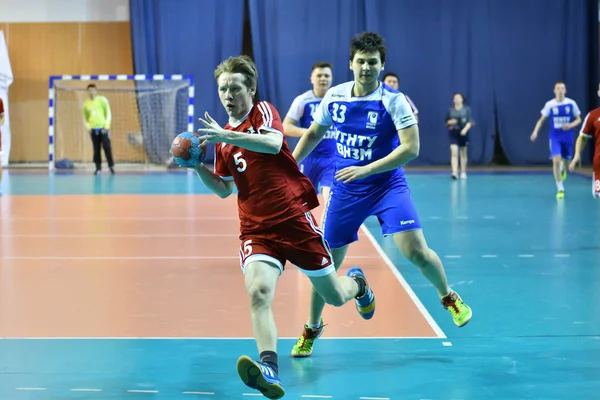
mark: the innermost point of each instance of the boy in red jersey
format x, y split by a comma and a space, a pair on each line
590, 129
276, 225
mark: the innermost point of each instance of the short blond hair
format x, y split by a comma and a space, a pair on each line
242, 65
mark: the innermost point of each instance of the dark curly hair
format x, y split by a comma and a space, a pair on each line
368, 42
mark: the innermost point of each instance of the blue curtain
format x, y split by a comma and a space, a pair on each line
288, 37
504, 56
438, 48
191, 38
534, 44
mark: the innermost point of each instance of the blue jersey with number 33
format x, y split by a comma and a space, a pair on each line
365, 129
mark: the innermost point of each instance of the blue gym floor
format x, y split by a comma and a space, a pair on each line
527, 263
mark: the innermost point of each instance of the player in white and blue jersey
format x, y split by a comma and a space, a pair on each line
318, 166
376, 134
564, 115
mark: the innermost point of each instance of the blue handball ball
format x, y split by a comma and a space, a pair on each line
186, 150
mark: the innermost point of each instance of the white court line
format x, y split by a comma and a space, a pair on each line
374, 398
489, 256
141, 391
315, 396
452, 256
525, 256
144, 258
214, 338
201, 393
120, 258
174, 218
116, 235
85, 390
438, 331
31, 389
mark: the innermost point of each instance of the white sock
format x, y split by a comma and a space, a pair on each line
314, 327
559, 185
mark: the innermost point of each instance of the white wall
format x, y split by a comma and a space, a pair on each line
64, 10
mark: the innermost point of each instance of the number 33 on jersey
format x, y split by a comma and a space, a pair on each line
270, 187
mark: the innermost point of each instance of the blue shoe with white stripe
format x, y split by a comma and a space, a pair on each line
365, 305
260, 376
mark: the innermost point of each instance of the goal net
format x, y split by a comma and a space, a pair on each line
147, 112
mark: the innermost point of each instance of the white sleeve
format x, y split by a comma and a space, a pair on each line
412, 104
322, 116
546, 110
296, 110
401, 113
576, 110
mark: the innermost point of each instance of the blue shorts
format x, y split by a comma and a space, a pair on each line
562, 146
345, 212
458, 139
319, 170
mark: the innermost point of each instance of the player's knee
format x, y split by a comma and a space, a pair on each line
330, 290
417, 255
260, 295
335, 299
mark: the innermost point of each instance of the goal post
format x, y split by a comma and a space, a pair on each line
147, 112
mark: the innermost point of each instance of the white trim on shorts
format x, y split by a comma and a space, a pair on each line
594, 193
319, 231
272, 260
260, 257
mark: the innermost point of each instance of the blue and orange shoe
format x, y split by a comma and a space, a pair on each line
260, 376
365, 305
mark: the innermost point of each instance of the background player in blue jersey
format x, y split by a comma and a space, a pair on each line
392, 80
318, 166
564, 115
376, 134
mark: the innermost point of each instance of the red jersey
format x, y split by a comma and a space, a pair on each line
591, 129
271, 188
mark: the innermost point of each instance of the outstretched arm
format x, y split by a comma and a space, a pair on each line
268, 141
291, 129
309, 141
407, 151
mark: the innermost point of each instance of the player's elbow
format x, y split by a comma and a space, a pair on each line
414, 153
223, 193
289, 129
226, 189
413, 149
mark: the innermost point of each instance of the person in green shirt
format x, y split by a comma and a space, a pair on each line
97, 117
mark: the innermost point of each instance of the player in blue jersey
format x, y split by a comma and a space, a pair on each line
564, 115
318, 166
376, 134
392, 80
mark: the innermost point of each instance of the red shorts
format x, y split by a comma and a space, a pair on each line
298, 240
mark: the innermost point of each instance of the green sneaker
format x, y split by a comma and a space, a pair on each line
461, 313
563, 174
304, 344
